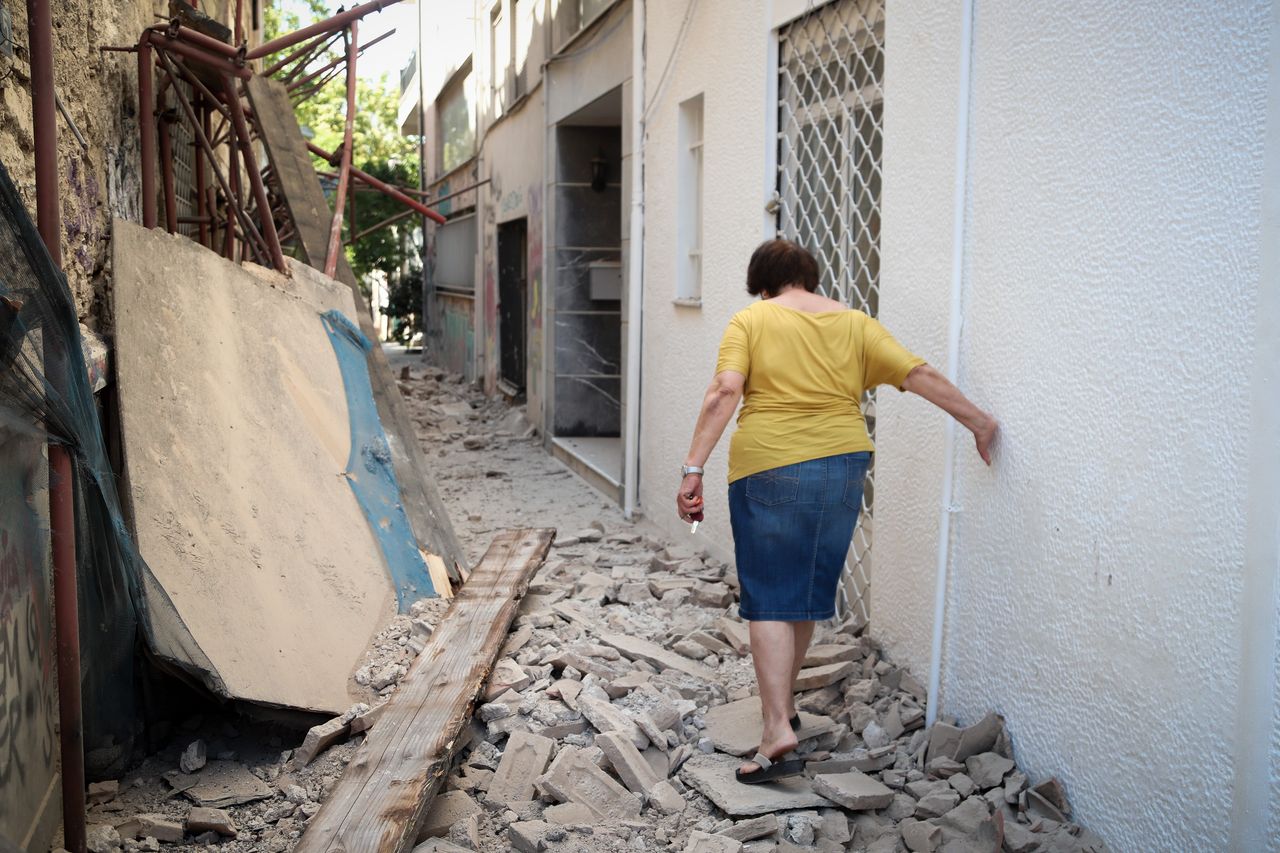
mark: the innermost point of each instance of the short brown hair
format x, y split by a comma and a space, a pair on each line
777, 264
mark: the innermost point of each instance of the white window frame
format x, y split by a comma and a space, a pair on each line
690, 170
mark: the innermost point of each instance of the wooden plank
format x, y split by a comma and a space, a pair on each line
383, 797
304, 198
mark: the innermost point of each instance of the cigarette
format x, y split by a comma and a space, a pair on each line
694, 528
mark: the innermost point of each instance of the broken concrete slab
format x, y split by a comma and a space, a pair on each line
321, 737
201, 819
820, 676
220, 784
736, 726
573, 777
636, 648
528, 836
627, 762
523, 761
665, 798
264, 436
705, 842
606, 718
447, 809
987, 770
854, 790
737, 633
713, 776
749, 830
920, 836
825, 654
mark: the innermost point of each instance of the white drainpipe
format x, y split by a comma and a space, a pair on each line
963, 97
635, 266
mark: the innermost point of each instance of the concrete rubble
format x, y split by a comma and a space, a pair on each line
618, 710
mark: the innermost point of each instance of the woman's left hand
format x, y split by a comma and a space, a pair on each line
689, 498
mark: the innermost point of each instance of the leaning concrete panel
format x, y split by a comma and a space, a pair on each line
300, 186
266, 580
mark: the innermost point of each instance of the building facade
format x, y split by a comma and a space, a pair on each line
1073, 212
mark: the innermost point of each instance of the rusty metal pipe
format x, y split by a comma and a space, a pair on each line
344, 170
381, 186
219, 64
390, 220
62, 519
305, 50
240, 22
336, 62
147, 133
255, 177
166, 165
328, 25
202, 211
230, 188
199, 39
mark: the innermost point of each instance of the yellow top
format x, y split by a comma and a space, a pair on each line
806, 373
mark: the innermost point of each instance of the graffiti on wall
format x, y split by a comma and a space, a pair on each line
28, 711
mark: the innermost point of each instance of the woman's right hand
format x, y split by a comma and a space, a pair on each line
689, 498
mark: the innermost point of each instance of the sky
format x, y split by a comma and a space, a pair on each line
388, 56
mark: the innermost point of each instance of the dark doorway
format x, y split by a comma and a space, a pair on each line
513, 289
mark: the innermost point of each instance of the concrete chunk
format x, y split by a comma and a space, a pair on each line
606, 718
569, 814
713, 775
665, 798
705, 842
821, 676
630, 765
737, 633
201, 819
735, 727
825, 654
321, 737
573, 777
159, 827
987, 770
528, 836
638, 649
522, 763
447, 809
920, 836
749, 830
854, 790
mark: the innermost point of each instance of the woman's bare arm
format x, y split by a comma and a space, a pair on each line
937, 389
718, 405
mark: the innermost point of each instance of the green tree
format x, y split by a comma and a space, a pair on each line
377, 148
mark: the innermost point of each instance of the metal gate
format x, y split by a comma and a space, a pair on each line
830, 96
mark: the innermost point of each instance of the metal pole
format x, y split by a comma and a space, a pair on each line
219, 64
239, 21
255, 177
166, 163
344, 170
300, 53
62, 519
202, 187
293, 86
328, 25
147, 130
381, 186
390, 220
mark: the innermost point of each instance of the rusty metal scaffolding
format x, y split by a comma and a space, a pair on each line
196, 78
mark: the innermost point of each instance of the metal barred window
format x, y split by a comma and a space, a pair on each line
830, 97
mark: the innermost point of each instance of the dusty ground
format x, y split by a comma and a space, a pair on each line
614, 715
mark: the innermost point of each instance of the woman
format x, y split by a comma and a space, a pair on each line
800, 363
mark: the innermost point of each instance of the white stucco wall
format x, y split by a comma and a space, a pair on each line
1109, 316
723, 58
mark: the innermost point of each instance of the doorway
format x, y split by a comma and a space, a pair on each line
513, 290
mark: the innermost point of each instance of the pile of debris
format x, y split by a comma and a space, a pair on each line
622, 703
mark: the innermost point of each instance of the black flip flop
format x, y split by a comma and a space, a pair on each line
770, 771
795, 723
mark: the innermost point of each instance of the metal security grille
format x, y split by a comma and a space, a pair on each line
830, 96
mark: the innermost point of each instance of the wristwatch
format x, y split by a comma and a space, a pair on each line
686, 470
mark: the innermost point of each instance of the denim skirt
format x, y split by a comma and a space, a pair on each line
792, 528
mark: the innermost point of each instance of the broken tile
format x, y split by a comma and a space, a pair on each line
854, 790
713, 775
523, 761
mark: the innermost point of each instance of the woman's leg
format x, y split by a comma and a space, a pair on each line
802, 633
773, 654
